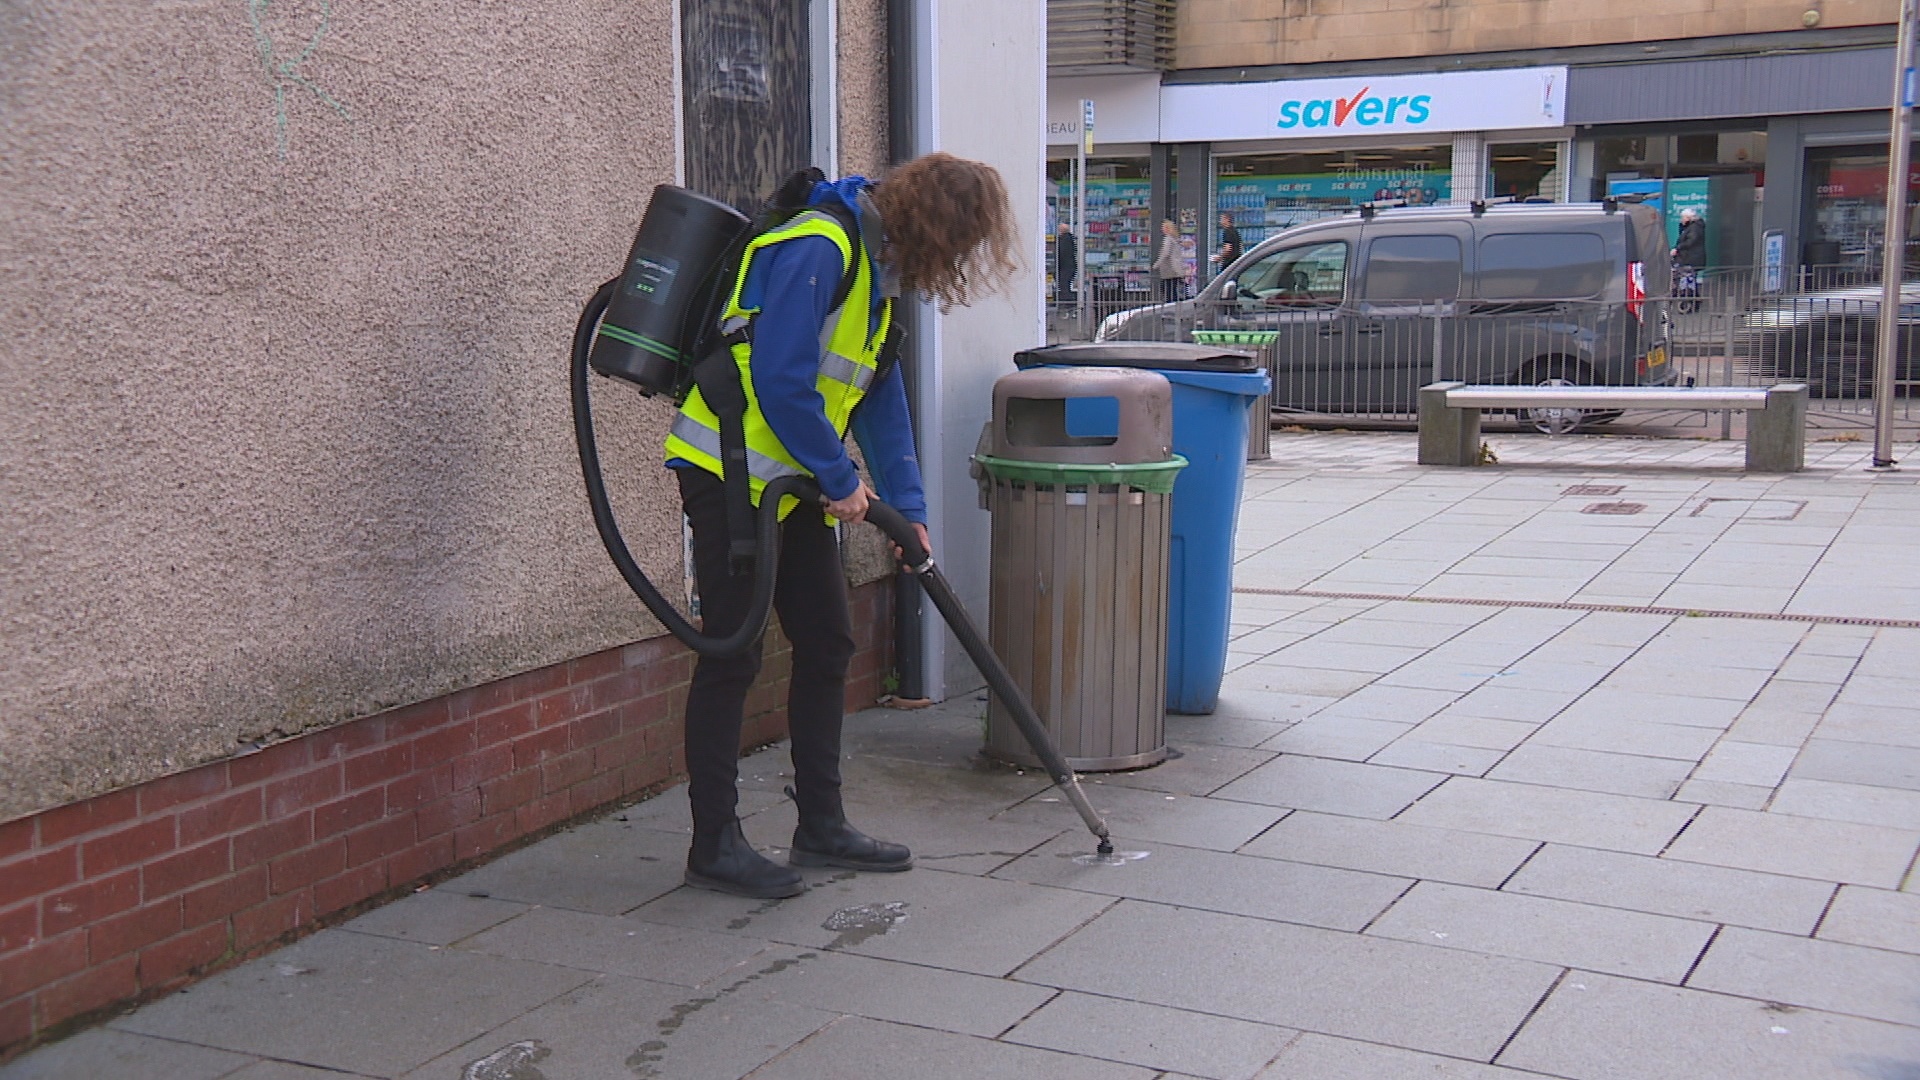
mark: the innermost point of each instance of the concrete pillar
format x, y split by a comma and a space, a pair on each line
1469, 167
1447, 436
1777, 434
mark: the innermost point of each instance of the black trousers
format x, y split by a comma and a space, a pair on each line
811, 601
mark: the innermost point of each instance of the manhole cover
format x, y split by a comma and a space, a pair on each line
1749, 509
1594, 489
1621, 508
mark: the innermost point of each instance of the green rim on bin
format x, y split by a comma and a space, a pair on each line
1153, 477
1235, 337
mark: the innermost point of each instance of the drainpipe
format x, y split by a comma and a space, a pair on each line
909, 620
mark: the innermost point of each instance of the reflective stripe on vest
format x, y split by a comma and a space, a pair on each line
849, 363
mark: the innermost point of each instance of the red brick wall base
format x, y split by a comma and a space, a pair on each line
128, 895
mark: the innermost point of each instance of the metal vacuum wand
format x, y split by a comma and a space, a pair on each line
920, 562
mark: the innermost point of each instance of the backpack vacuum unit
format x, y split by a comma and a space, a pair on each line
657, 327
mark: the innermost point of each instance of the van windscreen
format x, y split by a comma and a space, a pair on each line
1542, 266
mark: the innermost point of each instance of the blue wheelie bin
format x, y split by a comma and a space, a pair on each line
1213, 389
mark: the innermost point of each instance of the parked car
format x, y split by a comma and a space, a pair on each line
1367, 307
1827, 339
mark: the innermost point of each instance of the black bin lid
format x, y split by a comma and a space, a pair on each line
1176, 355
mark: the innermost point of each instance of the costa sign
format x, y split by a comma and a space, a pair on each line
1509, 99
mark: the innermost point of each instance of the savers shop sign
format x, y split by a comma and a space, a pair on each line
1515, 98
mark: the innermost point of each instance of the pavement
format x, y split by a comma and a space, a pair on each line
1600, 764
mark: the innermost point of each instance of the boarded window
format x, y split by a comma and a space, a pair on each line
748, 116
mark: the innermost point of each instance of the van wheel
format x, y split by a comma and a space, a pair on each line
1557, 373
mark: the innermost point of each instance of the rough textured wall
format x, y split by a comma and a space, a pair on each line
1247, 33
863, 87
287, 290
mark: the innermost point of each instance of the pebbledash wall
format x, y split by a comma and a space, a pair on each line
300, 601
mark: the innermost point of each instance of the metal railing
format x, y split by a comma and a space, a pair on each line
1367, 360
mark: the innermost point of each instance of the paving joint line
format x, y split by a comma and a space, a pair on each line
1574, 605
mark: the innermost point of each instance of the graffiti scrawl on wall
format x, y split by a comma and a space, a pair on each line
283, 71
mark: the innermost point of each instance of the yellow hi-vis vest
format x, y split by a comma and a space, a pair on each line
849, 362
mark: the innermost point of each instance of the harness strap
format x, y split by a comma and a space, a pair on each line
718, 378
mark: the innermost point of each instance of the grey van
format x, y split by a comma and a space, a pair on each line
1365, 308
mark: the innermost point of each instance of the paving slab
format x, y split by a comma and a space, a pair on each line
1439, 757
1532, 812
606, 867
616, 1027
1561, 932
435, 917
1874, 917
284, 1070
1620, 734
1883, 724
1715, 894
1199, 769
1347, 738
349, 1001
1592, 770
1485, 733
1323, 1057
1874, 983
104, 1053
1338, 787
1154, 817
1610, 701
860, 1049
987, 926
1415, 996
1394, 848
1861, 803
1600, 1027
1721, 793
1753, 764
1153, 1036
612, 945
1307, 681
1834, 851
1214, 881
1861, 763
904, 993
1229, 725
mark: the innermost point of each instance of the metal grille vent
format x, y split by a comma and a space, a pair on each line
1093, 36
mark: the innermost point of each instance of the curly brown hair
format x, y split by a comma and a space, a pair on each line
950, 228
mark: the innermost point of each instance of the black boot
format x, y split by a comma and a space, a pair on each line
724, 862
827, 840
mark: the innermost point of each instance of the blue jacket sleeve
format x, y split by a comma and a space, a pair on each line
884, 429
794, 283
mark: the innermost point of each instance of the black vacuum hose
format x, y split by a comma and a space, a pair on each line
920, 562
766, 522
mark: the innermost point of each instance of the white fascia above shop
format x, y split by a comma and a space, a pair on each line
1126, 108
1395, 105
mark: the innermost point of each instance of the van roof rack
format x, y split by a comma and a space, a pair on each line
1368, 209
1480, 205
1631, 198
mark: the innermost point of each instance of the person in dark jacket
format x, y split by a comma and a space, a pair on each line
1229, 242
1691, 249
1066, 266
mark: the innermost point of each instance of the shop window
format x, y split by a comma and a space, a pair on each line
747, 100
1266, 193
1846, 214
1719, 174
1311, 275
1542, 266
1529, 170
1119, 232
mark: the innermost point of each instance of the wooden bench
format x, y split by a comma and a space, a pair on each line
1776, 415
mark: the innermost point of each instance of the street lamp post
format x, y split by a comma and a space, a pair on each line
1893, 255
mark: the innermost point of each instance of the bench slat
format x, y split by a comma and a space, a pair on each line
1607, 397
